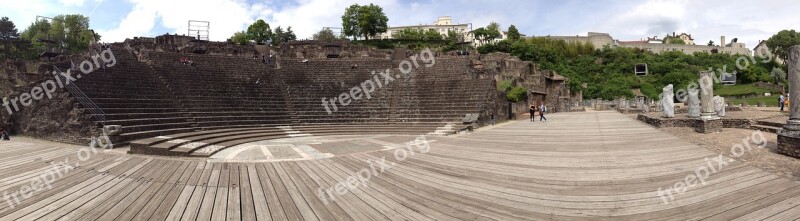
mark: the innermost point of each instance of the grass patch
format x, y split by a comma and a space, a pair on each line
741, 90
769, 101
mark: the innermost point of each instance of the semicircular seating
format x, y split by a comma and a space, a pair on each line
166, 107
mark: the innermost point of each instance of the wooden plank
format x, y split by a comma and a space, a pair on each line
221, 200
234, 209
163, 210
207, 206
247, 198
193, 207
287, 206
297, 197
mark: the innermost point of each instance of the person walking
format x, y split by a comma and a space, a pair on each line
491, 118
532, 110
781, 99
542, 109
4, 134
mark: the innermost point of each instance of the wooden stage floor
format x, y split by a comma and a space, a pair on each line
577, 166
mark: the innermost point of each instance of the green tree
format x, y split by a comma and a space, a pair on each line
517, 94
325, 34
513, 33
240, 38
38, 30
710, 43
73, 31
259, 32
676, 41
364, 21
280, 36
780, 43
350, 25
8, 39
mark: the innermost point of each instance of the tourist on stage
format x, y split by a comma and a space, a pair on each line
4, 134
532, 110
542, 109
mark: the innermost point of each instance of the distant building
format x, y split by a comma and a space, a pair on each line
687, 38
762, 50
442, 25
599, 40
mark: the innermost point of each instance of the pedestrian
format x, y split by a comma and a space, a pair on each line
4, 134
786, 102
542, 109
781, 99
491, 118
532, 110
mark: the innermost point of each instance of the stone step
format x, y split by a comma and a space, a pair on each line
765, 128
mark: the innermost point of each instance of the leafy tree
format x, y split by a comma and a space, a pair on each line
452, 36
487, 34
517, 94
350, 26
240, 38
513, 33
676, 41
710, 43
39, 29
366, 20
8, 38
325, 34
780, 43
280, 36
259, 32
73, 30
504, 86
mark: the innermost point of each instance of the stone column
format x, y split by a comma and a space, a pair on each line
789, 137
707, 95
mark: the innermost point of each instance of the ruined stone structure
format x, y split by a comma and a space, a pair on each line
667, 104
694, 103
544, 86
226, 93
789, 137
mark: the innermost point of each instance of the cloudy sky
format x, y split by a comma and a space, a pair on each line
115, 20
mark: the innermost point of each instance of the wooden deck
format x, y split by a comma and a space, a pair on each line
578, 166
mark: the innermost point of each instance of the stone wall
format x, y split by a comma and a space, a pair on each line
769, 86
60, 118
544, 86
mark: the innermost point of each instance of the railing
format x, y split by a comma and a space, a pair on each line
78, 94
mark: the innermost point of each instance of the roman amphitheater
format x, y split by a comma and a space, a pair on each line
213, 131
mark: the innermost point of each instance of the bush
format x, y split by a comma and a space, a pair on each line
517, 94
504, 86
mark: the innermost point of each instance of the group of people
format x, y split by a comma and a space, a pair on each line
783, 102
541, 109
187, 61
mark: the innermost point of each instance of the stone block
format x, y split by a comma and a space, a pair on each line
789, 142
708, 126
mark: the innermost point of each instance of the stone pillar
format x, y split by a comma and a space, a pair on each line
707, 95
789, 137
693, 103
667, 104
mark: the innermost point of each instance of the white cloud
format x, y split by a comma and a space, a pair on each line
749, 21
225, 17
71, 2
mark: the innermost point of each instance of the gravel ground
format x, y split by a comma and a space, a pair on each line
765, 158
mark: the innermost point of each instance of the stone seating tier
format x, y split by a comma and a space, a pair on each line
163, 97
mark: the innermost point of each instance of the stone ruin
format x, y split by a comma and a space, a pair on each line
667, 102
